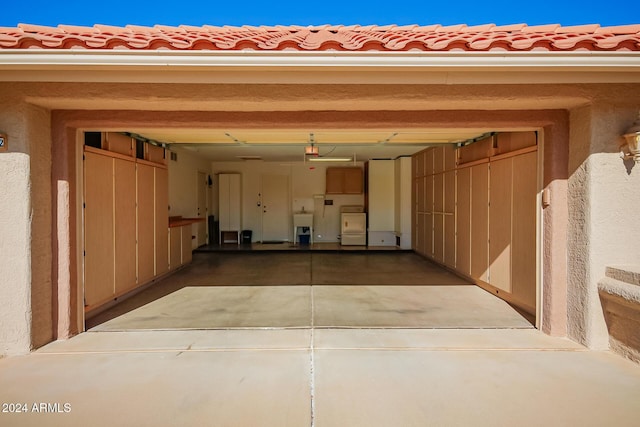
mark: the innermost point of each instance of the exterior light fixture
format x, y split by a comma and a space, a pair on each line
632, 142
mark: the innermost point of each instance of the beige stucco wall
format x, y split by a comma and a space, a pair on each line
25, 246
39, 136
604, 196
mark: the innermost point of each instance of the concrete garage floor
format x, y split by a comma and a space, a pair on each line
391, 362
296, 289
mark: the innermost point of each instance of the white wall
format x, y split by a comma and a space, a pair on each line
183, 194
305, 180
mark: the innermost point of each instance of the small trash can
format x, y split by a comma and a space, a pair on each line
304, 239
246, 236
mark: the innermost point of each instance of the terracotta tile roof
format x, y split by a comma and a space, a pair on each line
436, 38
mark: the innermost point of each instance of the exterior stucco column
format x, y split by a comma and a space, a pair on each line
25, 291
604, 196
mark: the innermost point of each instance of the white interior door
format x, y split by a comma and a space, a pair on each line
202, 208
275, 208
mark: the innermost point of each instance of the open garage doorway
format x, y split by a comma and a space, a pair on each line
451, 211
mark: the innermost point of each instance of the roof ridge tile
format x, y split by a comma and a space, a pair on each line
589, 28
142, 28
452, 28
510, 28
170, 28
480, 28
77, 29
111, 29
30, 28
547, 28
619, 29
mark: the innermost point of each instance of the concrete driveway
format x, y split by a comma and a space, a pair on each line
211, 347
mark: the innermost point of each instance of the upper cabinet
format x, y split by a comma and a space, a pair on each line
123, 144
344, 180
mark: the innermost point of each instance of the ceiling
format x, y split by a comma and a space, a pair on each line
288, 145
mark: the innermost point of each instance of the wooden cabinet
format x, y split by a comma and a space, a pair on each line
230, 204
125, 221
523, 229
344, 180
98, 229
180, 238
153, 217
125, 225
480, 222
479, 214
161, 205
146, 226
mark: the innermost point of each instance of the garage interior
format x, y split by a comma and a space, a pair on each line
451, 214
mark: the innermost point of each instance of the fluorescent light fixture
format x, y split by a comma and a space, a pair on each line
329, 159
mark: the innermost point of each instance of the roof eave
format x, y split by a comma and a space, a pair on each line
258, 66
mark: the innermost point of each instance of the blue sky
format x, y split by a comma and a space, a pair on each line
305, 12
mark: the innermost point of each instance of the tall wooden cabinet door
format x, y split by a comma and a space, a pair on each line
480, 222
438, 213
428, 194
524, 248
125, 225
418, 164
428, 208
162, 220
500, 187
420, 234
428, 161
98, 229
420, 194
450, 217
146, 226
463, 221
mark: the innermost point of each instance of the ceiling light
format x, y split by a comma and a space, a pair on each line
311, 150
330, 159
